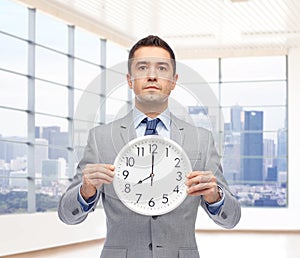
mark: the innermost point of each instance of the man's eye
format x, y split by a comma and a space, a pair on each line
162, 68
142, 68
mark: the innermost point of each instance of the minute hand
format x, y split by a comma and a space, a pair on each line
152, 169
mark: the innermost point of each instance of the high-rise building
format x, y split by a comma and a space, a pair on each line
40, 154
269, 155
272, 174
252, 147
199, 114
48, 131
57, 140
282, 150
52, 170
9, 149
231, 159
236, 118
232, 140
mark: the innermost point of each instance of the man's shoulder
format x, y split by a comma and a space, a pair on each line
116, 122
188, 125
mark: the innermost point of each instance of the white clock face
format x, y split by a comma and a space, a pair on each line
150, 175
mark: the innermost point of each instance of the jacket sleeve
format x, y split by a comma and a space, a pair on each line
230, 212
70, 210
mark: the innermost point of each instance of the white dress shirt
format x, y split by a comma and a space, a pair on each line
162, 128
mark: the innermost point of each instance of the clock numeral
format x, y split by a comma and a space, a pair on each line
127, 188
151, 203
140, 151
165, 198
130, 161
167, 152
125, 174
176, 189
153, 148
139, 197
179, 178
177, 165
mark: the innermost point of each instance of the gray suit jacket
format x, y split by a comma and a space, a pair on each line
132, 235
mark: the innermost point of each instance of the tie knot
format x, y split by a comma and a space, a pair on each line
151, 126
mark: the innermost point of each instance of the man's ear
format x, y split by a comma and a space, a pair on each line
129, 81
174, 81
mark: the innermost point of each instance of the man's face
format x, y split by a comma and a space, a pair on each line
152, 76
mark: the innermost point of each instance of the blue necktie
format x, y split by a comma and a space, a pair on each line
151, 126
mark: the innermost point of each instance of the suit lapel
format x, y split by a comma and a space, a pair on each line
177, 132
123, 131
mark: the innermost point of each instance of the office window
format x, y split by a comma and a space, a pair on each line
35, 110
208, 69
87, 86
13, 93
57, 39
252, 127
116, 102
269, 68
15, 124
85, 74
51, 65
115, 55
87, 46
254, 96
13, 53
8, 12
51, 99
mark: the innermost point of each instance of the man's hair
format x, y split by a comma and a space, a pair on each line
151, 41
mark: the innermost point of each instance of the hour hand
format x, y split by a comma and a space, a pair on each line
142, 180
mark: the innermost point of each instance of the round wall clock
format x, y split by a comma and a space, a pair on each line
150, 175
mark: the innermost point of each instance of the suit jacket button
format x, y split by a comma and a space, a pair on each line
75, 212
150, 246
224, 215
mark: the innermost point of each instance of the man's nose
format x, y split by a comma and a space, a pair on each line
152, 73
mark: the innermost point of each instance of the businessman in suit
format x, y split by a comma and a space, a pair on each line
152, 76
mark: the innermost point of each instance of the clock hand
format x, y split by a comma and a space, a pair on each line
152, 169
151, 175
142, 180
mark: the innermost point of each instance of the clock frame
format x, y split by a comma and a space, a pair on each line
150, 175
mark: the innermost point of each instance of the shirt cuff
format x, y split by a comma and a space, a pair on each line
214, 208
86, 205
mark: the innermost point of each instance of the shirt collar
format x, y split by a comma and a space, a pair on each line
164, 117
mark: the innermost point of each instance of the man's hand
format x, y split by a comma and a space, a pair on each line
203, 183
94, 176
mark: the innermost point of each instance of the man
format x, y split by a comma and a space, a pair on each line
152, 76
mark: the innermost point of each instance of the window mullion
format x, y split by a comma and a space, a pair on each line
31, 207
71, 61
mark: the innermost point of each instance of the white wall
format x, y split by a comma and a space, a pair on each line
26, 232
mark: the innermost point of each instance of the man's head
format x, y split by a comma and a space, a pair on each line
151, 41
151, 74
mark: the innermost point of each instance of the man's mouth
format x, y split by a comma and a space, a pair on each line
151, 87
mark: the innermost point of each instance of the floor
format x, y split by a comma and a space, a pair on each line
211, 245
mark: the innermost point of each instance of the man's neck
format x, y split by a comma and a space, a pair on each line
151, 111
